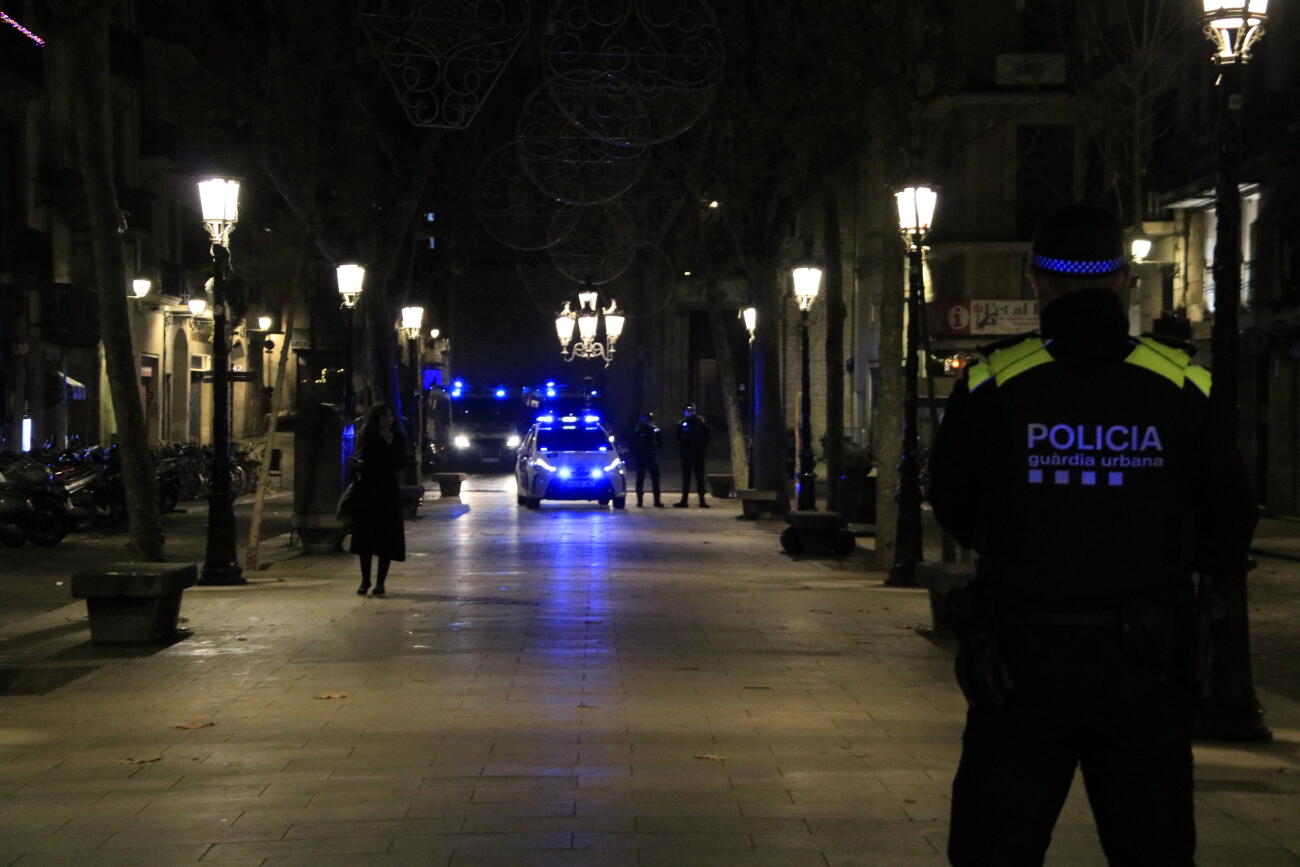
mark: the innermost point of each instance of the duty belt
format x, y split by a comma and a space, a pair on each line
1094, 619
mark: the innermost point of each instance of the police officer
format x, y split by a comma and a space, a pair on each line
644, 441
692, 442
1082, 466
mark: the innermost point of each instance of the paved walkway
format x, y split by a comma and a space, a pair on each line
566, 687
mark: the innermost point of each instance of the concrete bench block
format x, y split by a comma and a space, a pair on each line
721, 485
134, 603
816, 533
410, 496
449, 483
319, 532
754, 502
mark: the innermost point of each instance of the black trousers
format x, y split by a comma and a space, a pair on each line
692, 465
646, 463
1078, 700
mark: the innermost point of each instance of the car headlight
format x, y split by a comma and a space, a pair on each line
538, 462
565, 472
512, 442
461, 441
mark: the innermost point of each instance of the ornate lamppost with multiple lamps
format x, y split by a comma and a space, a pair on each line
586, 319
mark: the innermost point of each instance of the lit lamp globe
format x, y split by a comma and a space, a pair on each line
434, 333
807, 283
412, 321
564, 323
264, 323
197, 305
916, 211
1234, 26
750, 317
219, 203
140, 287
351, 279
614, 321
1140, 247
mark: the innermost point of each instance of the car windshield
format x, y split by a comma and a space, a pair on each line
572, 440
482, 409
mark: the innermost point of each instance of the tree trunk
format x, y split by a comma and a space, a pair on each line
719, 320
887, 439
85, 58
264, 483
834, 439
770, 432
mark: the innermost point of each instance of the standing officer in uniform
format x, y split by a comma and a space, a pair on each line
1083, 467
644, 441
692, 442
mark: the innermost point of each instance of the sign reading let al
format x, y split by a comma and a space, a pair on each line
985, 317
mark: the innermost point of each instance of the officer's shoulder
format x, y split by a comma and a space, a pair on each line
1172, 342
1006, 343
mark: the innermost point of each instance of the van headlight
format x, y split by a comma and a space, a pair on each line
512, 441
460, 441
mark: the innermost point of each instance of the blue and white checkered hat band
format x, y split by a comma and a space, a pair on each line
1081, 267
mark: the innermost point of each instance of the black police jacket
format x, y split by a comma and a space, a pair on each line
644, 439
1082, 466
692, 436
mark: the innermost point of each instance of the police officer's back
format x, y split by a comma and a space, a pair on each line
1082, 467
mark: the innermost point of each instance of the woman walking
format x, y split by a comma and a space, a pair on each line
377, 523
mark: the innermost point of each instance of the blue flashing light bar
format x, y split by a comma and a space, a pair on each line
500, 392
550, 392
458, 383
550, 383
455, 392
591, 418
546, 419
568, 418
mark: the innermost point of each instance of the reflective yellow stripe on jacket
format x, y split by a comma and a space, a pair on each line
1171, 363
1008, 362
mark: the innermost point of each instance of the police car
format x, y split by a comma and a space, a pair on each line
570, 457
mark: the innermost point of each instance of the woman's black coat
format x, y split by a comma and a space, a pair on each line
377, 516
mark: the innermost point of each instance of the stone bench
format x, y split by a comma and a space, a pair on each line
410, 497
134, 603
816, 533
449, 483
938, 579
720, 485
754, 502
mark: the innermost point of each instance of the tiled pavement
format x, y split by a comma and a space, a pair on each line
566, 687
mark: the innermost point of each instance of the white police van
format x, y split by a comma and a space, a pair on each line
570, 457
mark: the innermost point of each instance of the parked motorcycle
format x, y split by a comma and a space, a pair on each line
34, 505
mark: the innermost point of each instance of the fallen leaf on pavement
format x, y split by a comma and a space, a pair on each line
191, 726
712, 757
333, 695
127, 760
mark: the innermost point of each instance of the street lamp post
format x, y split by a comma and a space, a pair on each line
915, 212
586, 319
219, 199
412, 325
351, 281
1228, 708
807, 281
750, 317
